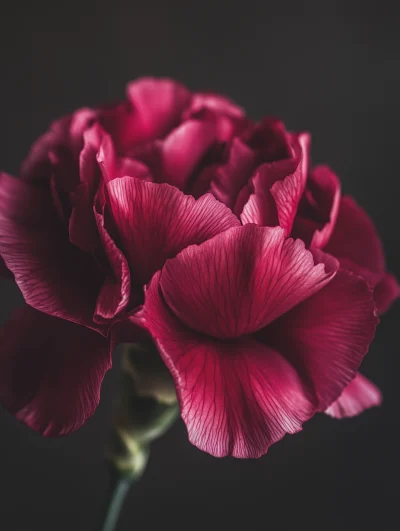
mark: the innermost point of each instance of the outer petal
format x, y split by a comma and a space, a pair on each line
355, 237
65, 134
327, 336
319, 208
356, 243
53, 275
241, 280
51, 371
157, 221
237, 398
359, 395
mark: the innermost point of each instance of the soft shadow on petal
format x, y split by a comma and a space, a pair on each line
53, 275
231, 177
51, 371
356, 244
275, 190
327, 336
114, 295
99, 164
318, 208
66, 134
355, 237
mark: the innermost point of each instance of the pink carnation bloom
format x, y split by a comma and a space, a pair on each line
173, 215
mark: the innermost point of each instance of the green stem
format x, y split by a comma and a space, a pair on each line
118, 489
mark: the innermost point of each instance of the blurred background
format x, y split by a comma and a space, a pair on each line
329, 67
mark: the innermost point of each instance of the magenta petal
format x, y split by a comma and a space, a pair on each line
157, 221
241, 280
157, 106
327, 336
183, 150
237, 398
230, 178
359, 395
53, 275
51, 371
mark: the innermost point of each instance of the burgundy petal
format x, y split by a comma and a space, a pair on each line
230, 178
51, 371
66, 133
157, 221
53, 275
237, 398
270, 139
183, 150
327, 336
359, 395
241, 280
356, 243
356, 238
318, 209
119, 122
82, 226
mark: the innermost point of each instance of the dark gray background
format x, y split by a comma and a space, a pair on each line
329, 67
